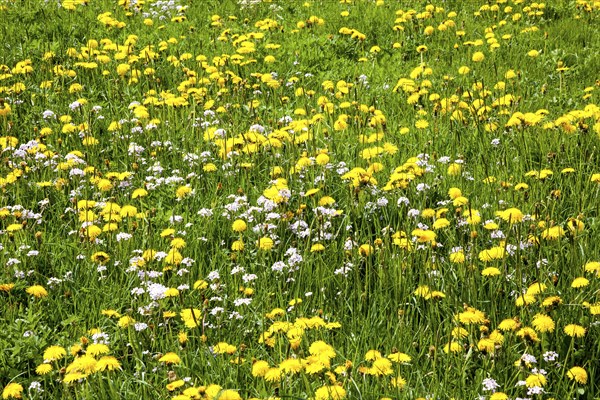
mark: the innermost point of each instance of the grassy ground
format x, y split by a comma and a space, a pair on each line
318, 200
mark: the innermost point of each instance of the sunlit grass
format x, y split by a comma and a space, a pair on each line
320, 200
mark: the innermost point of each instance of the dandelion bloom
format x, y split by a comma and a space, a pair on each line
578, 375
54, 353
273, 375
320, 348
238, 226
511, 215
125, 321
398, 382
238, 245
100, 257
365, 250
260, 368
580, 282
553, 233
400, 357
170, 358
317, 247
176, 384
529, 334
72, 377
421, 124
490, 271
14, 227
452, 347
291, 365
6, 287
509, 324
424, 235
109, 363
478, 56
457, 257
538, 380
95, 349
471, 316
37, 291
574, 330
43, 369
183, 191
224, 348
138, 193
85, 364
543, 323
486, 345
171, 292
12, 391
333, 392
592, 266
265, 243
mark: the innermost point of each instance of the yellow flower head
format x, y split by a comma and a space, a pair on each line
578, 375
37, 291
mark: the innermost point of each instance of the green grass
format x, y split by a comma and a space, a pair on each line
225, 103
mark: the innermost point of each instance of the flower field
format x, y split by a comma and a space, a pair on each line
321, 200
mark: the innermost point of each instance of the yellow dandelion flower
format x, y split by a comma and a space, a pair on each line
399, 357
125, 321
580, 282
54, 353
237, 245
552, 301
260, 368
592, 266
578, 375
238, 226
508, 324
317, 247
490, 271
100, 257
543, 323
73, 377
170, 358
273, 375
380, 367
175, 384
229, 394
265, 243
529, 334
108, 363
85, 364
96, 349
12, 391
6, 287
37, 291
43, 369
511, 215
291, 366
538, 380
365, 250
553, 233
332, 392
452, 347
525, 299
478, 56
575, 330
139, 193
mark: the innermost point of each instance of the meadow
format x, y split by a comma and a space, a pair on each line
320, 200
